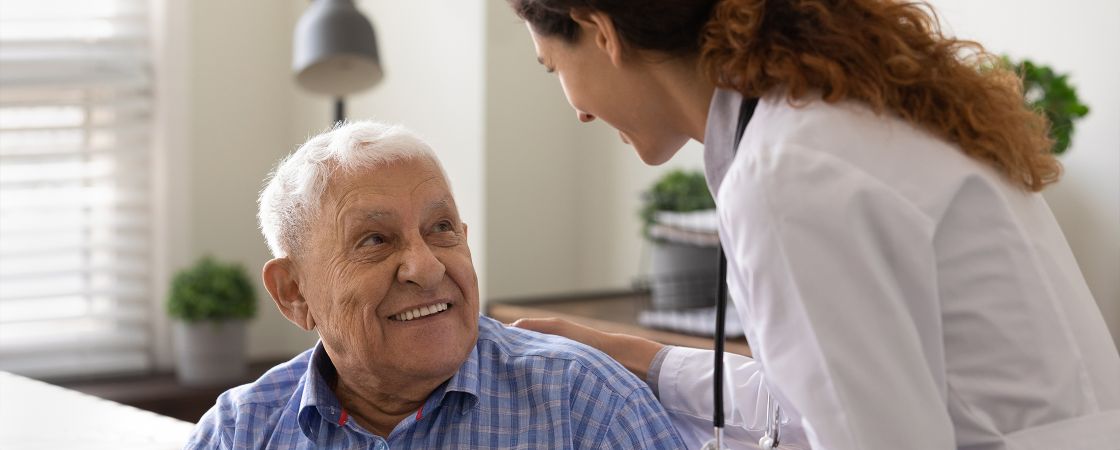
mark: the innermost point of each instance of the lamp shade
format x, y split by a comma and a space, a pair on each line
335, 50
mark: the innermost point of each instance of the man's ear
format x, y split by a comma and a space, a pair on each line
282, 284
599, 27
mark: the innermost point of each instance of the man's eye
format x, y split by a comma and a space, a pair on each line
443, 227
373, 239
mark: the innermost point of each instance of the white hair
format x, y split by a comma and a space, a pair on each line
293, 192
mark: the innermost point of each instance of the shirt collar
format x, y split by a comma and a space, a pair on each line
723, 114
466, 380
318, 400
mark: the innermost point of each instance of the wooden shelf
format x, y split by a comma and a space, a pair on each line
161, 393
610, 312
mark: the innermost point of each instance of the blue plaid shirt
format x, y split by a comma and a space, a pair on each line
517, 389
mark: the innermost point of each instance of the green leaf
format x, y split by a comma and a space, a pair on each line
1048, 91
679, 191
211, 290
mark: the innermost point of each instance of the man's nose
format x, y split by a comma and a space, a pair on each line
584, 117
420, 267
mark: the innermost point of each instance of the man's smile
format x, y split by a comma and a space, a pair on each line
421, 312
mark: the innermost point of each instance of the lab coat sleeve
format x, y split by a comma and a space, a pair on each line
685, 390
838, 277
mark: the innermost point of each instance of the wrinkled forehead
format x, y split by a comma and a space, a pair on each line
416, 178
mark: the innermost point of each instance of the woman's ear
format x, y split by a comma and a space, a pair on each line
598, 26
283, 285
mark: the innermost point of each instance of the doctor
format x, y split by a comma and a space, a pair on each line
901, 281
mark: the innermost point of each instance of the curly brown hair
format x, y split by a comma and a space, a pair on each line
891, 55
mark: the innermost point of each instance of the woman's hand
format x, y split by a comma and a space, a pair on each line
632, 352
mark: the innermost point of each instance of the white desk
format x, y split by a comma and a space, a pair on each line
36, 415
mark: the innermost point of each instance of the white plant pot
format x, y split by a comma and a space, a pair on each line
210, 352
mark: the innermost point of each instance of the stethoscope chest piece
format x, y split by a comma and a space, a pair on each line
716, 443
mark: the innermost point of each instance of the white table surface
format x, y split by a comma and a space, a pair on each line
37, 415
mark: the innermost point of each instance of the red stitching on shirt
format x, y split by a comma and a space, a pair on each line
342, 418
420, 413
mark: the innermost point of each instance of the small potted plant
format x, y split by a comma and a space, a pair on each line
1051, 93
679, 222
211, 302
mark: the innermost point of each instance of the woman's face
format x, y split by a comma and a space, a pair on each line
621, 90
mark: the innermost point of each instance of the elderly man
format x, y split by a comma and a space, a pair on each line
370, 252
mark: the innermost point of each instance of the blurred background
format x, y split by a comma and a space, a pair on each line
139, 132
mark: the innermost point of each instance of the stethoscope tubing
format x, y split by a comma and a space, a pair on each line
770, 439
721, 333
773, 411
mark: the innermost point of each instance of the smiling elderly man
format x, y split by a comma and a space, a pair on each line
370, 252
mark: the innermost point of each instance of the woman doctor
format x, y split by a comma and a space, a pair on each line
901, 282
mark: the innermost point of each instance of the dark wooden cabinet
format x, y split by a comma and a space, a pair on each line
160, 392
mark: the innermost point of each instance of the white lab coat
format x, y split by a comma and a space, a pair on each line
896, 293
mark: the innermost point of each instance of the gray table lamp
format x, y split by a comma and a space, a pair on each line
335, 51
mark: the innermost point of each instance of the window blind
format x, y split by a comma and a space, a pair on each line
76, 108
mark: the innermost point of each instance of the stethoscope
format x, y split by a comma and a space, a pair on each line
770, 439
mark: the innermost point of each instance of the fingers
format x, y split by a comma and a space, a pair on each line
547, 325
565, 328
633, 352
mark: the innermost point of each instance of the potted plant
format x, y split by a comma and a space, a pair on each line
1050, 92
684, 267
211, 302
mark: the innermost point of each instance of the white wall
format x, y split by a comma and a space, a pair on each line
614, 253
170, 23
532, 168
1079, 37
562, 196
241, 96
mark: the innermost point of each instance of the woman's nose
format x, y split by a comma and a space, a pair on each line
584, 117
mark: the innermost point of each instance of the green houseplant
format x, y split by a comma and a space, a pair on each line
1050, 92
210, 302
683, 273
678, 191
211, 290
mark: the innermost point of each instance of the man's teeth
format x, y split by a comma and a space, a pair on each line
421, 312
